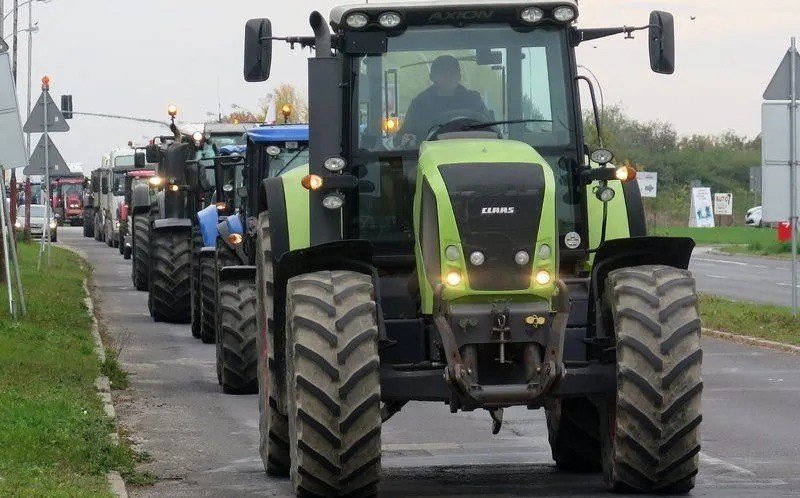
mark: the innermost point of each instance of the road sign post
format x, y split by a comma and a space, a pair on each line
779, 137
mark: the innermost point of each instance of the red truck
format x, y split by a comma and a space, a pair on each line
67, 200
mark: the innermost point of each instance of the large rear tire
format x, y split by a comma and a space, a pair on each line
332, 371
170, 275
573, 428
237, 331
652, 439
141, 252
88, 227
208, 297
196, 292
273, 423
224, 256
98, 228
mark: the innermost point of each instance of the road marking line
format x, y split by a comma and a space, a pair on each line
716, 462
716, 276
737, 263
421, 447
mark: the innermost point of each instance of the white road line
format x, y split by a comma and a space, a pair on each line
716, 276
784, 284
716, 462
737, 263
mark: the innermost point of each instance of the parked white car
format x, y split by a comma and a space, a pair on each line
753, 217
38, 219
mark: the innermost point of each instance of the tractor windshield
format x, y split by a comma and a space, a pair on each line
433, 76
292, 155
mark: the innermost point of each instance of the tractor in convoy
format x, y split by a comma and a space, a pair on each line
454, 240
138, 199
91, 194
183, 180
112, 194
67, 191
271, 151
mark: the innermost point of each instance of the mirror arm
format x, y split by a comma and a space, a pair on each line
303, 41
595, 33
594, 108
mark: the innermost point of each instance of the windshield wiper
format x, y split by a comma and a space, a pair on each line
478, 126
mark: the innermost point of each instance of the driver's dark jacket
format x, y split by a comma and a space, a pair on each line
430, 108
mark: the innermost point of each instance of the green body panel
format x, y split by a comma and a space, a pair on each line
617, 226
297, 217
477, 151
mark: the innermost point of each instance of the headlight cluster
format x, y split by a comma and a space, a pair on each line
563, 14
53, 225
386, 20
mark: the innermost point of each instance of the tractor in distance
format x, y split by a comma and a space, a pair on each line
67, 197
272, 151
112, 193
455, 241
138, 200
91, 193
184, 174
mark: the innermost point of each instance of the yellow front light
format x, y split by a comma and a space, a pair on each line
625, 174
155, 181
235, 238
174, 188
453, 278
543, 277
221, 206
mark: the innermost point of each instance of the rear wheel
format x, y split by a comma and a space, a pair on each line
170, 272
332, 371
196, 293
141, 252
208, 297
225, 256
98, 228
652, 439
237, 336
573, 428
273, 423
88, 227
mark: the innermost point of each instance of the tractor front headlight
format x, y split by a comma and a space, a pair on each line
333, 201
477, 258
522, 258
453, 278
273, 150
452, 253
334, 164
357, 20
155, 181
53, 225
545, 251
543, 277
606, 194
390, 20
235, 238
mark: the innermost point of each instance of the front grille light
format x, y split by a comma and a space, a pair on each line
477, 258
522, 258
452, 253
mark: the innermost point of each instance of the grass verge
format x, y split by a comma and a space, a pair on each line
722, 235
53, 431
774, 323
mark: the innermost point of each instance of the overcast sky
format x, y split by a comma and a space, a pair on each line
136, 57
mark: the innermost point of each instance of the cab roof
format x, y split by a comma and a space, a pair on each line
449, 10
279, 133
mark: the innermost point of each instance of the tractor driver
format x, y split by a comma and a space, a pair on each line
445, 96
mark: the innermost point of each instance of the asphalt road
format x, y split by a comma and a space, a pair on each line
746, 278
204, 443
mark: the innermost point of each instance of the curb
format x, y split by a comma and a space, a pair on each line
752, 341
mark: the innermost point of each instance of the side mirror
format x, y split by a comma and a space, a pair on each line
257, 50
662, 42
152, 154
139, 159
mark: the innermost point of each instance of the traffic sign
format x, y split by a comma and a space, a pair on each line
780, 88
37, 164
55, 120
648, 183
13, 153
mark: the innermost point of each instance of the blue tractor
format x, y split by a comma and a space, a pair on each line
271, 151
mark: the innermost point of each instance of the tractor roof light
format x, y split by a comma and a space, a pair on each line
564, 14
357, 20
172, 110
625, 174
312, 182
334, 164
390, 20
273, 150
235, 238
197, 137
532, 15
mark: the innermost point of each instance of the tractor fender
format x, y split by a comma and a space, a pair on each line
237, 273
172, 224
209, 218
635, 251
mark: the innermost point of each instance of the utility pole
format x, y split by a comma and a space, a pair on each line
27, 236
13, 195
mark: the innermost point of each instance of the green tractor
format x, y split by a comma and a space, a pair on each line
455, 241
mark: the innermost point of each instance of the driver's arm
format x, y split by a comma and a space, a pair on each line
410, 123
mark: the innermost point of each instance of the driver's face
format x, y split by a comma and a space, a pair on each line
446, 80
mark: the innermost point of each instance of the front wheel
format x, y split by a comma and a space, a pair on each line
651, 439
141, 252
332, 372
236, 341
170, 254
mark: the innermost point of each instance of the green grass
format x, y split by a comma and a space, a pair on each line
722, 235
53, 431
774, 323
